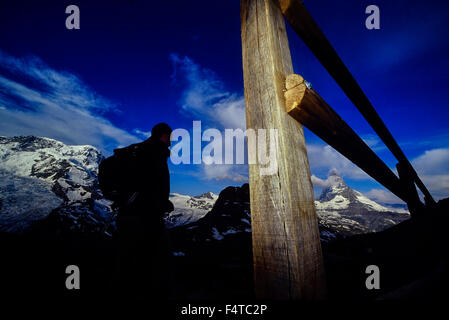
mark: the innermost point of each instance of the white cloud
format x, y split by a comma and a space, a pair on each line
433, 168
434, 161
331, 180
383, 196
144, 134
205, 98
317, 182
224, 172
438, 185
54, 104
324, 157
230, 113
204, 95
371, 140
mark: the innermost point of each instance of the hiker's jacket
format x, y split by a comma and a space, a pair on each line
151, 180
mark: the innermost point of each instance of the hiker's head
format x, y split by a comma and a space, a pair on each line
162, 132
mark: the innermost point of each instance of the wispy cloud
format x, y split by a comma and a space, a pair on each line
143, 134
38, 100
433, 168
318, 182
330, 180
324, 157
224, 172
374, 142
205, 98
204, 95
383, 196
430, 142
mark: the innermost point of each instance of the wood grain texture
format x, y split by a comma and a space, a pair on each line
286, 245
306, 106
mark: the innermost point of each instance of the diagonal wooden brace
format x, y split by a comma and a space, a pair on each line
308, 108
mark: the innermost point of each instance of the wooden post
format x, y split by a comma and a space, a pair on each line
286, 243
307, 107
415, 206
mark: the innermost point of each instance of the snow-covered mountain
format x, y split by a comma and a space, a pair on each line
229, 215
226, 228
341, 212
348, 212
39, 176
42, 175
189, 209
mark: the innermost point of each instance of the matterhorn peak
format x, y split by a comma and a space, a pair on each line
334, 179
335, 185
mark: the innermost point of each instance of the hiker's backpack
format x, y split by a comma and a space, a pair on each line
117, 173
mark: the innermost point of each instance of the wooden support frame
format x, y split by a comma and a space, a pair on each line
415, 206
305, 26
307, 107
286, 244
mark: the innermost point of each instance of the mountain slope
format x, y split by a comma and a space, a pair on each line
189, 209
341, 212
229, 215
41, 176
349, 212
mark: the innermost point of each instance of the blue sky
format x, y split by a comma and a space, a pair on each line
136, 63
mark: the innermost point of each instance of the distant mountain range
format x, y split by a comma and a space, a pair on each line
41, 177
341, 212
189, 209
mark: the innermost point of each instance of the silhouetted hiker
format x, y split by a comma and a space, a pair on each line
144, 254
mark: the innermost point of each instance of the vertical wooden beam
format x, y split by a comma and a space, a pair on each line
286, 244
